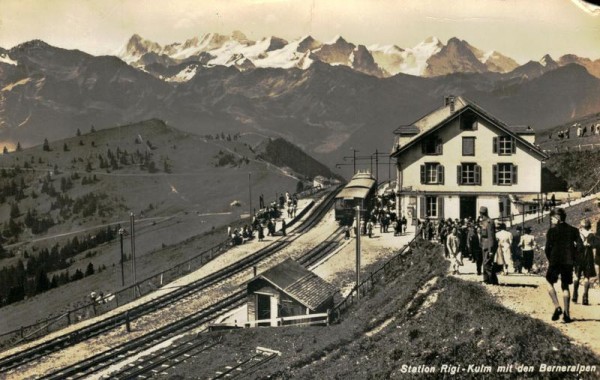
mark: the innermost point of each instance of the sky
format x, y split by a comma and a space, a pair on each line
522, 29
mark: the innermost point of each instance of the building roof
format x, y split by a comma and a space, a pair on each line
442, 116
299, 283
522, 129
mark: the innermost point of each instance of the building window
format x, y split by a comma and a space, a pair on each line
505, 174
504, 145
468, 146
469, 174
431, 207
468, 122
432, 146
432, 174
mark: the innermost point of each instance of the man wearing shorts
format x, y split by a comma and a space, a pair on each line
563, 244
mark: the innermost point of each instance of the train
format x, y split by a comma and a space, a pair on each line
360, 191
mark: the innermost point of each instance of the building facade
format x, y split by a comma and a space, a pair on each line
458, 158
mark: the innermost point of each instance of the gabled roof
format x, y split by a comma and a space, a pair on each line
433, 121
299, 283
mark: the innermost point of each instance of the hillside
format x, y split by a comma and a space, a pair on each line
282, 153
62, 202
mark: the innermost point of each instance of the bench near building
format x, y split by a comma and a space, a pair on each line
458, 158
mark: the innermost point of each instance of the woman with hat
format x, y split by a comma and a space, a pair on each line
527, 245
584, 266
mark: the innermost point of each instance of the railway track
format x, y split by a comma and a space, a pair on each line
112, 322
149, 362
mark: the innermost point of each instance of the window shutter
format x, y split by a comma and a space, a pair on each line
459, 174
440, 202
513, 145
422, 208
439, 147
441, 174
423, 179
514, 175
477, 175
495, 145
495, 174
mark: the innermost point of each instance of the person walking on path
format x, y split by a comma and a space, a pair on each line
488, 246
584, 266
562, 246
453, 244
527, 245
503, 255
474, 248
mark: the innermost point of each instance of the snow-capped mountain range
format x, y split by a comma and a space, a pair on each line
428, 58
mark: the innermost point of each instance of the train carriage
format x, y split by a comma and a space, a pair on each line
360, 191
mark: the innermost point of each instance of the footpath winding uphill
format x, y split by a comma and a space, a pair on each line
527, 295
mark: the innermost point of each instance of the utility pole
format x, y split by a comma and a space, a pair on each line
354, 161
357, 251
121, 233
250, 193
133, 268
376, 166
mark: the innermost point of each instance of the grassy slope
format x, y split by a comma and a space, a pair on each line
200, 188
463, 326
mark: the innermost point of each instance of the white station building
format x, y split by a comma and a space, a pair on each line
460, 157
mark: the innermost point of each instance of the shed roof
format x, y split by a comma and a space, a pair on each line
299, 283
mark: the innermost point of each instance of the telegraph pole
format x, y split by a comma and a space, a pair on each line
250, 194
121, 233
357, 251
133, 268
376, 166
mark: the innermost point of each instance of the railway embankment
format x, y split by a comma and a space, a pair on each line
419, 320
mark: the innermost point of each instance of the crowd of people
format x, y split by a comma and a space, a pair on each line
581, 131
573, 254
265, 218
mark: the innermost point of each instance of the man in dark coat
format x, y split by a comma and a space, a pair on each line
474, 248
488, 246
563, 244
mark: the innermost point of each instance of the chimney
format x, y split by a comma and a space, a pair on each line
449, 101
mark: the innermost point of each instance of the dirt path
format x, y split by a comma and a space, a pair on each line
527, 294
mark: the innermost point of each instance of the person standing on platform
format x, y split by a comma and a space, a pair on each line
563, 244
283, 227
528, 246
517, 255
261, 201
488, 246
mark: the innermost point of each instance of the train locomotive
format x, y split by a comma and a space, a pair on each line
360, 191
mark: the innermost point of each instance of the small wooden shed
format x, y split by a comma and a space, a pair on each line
287, 290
